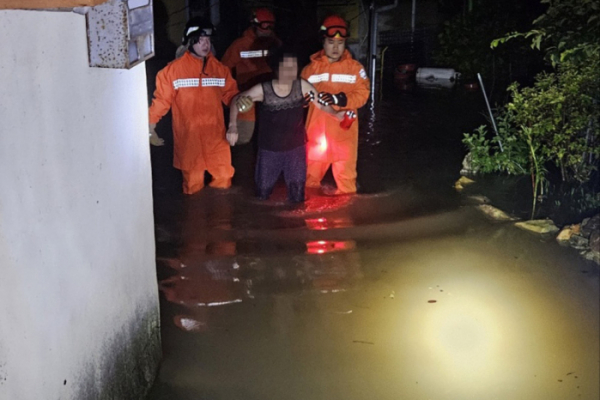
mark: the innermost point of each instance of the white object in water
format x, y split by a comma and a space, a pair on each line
436, 74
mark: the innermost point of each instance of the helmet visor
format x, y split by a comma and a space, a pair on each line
338, 32
265, 25
197, 31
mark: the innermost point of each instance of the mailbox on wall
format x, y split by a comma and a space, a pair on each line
120, 33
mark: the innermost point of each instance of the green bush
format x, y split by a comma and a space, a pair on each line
554, 121
569, 30
557, 120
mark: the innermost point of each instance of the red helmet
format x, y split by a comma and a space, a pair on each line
335, 26
264, 19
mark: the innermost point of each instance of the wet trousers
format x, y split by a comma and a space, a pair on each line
344, 173
270, 164
219, 168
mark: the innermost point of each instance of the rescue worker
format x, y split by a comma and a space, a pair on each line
342, 83
282, 133
193, 88
247, 59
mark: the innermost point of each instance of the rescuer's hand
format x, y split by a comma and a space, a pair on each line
244, 104
309, 98
328, 99
155, 140
232, 135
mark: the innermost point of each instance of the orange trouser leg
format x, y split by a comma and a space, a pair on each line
219, 166
344, 173
193, 180
315, 172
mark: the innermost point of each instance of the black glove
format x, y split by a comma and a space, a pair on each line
327, 99
309, 98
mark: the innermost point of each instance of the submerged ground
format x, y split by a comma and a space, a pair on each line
400, 292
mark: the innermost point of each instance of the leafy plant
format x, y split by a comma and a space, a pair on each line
567, 31
553, 122
557, 119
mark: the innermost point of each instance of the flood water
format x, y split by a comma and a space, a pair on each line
400, 292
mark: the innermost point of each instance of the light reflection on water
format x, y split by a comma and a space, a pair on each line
281, 302
500, 326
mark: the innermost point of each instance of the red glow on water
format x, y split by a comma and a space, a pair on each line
321, 224
328, 246
317, 224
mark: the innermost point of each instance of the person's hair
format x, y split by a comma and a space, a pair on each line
276, 56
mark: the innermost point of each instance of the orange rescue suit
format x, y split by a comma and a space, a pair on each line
328, 144
247, 59
194, 93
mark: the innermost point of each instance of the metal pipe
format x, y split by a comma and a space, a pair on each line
374, 12
373, 66
372, 36
381, 72
487, 103
388, 8
215, 12
413, 17
372, 48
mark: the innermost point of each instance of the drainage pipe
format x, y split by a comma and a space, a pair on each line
413, 17
487, 103
374, 12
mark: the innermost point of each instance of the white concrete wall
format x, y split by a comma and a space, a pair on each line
77, 270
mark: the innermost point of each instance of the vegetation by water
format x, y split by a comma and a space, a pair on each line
551, 129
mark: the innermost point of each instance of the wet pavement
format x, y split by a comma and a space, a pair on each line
399, 292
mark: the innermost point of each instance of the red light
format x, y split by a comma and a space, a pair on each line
323, 144
319, 224
325, 246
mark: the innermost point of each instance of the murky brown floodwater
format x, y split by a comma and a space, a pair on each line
397, 293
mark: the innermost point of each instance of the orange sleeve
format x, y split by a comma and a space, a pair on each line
231, 58
230, 89
306, 71
163, 97
359, 95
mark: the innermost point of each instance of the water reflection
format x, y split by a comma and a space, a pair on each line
328, 246
196, 287
421, 309
319, 202
325, 223
200, 286
206, 220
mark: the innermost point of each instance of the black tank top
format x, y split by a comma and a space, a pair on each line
281, 119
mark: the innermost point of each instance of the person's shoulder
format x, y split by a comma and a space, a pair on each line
311, 66
219, 66
354, 63
179, 61
216, 63
242, 41
356, 67
171, 67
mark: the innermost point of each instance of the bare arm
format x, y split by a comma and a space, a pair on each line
308, 87
254, 94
